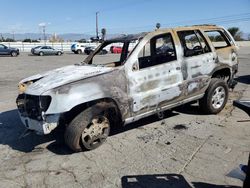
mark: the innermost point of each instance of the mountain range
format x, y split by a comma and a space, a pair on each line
36, 36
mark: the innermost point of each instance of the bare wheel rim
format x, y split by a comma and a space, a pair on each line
96, 132
218, 97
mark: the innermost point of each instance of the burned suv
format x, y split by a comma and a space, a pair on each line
155, 71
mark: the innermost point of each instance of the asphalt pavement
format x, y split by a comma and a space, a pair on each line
184, 149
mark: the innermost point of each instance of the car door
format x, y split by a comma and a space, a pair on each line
156, 78
224, 46
52, 51
48, 50
3, 49
44, 50
198, 61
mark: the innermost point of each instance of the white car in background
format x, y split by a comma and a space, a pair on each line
78, 48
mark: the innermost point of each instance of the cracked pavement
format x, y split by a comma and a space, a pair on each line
184, 149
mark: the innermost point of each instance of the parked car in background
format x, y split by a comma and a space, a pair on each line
5, 50
90, 49
78, 48
46, 50
116, 49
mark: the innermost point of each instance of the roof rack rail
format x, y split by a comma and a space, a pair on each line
204, 25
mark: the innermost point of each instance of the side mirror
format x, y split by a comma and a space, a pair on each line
135, 67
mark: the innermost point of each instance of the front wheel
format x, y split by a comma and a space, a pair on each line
215, 97
41, 53
88, 130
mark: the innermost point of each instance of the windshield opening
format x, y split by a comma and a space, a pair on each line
111, 54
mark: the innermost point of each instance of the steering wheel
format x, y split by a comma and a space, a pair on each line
197, 48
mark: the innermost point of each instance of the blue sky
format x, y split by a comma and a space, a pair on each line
127, 16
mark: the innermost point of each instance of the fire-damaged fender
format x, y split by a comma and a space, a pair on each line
112, 86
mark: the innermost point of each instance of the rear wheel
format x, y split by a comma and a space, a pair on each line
59, 53
88, 130
215, 97
13, 54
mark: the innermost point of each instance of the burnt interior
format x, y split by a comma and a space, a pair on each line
32, 106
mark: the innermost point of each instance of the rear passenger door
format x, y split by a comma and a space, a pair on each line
157, 80
198, 61
224, 46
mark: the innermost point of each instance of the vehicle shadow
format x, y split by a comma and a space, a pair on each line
164, 180
5, 56
190, 108
11, 130
142, 122
245, 79
60, 148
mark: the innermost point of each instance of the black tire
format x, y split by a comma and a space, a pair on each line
13, 54
79, 51
215, 97
59, 53
82, 124
41, 53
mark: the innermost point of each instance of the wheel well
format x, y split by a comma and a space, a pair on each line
222, 73
107, 103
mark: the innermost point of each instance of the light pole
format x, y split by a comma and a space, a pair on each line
13, 35
44, 35
43, 27
96, 21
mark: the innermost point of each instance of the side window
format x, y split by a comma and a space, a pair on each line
218, 39
1, 46
158, 50
193, 43
203, 42
145, 52
44, 47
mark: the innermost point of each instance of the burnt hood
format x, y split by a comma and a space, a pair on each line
58, 77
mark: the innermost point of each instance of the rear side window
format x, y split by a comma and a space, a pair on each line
218, 39
193, 43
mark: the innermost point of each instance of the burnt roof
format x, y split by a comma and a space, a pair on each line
124, 38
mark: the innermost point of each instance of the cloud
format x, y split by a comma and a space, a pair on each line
42, 24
